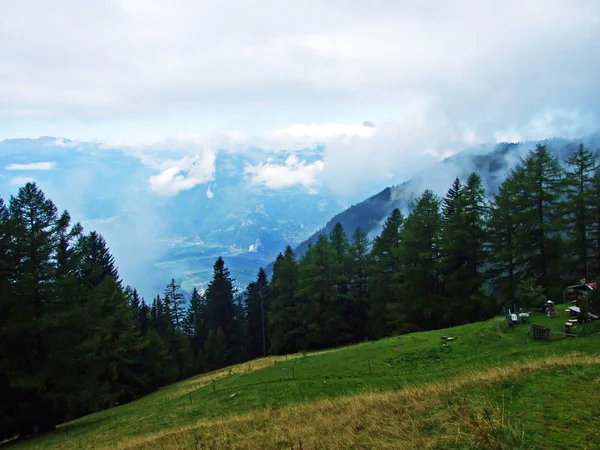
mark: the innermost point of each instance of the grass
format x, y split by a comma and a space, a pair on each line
492, 387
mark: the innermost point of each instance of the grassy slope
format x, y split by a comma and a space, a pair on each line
492, 387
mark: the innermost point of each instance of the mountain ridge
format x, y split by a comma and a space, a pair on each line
492, 162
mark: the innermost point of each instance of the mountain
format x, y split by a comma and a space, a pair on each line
491, 162
155, 237
218, 209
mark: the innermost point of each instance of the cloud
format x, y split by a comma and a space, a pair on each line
184, 174
21, 181
209, 193
433, 77
180, 65
292, 172
32, 166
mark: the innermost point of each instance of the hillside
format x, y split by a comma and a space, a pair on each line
493, 163
491, 387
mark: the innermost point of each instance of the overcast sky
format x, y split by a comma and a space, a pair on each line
433, 76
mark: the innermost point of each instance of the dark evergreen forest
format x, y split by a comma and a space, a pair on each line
74, 340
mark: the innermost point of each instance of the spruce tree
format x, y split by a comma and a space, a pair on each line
34, 308
195, 325
359, 280
454, 255
420, 254
540, 239
174, 303
386, 309
317, 295
475, 212
284, 320
580, 213
256, 312
221, 309
505, 264
345, 306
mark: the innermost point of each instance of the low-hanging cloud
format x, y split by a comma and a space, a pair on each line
386, 89
291, 172
240, 65
184, 174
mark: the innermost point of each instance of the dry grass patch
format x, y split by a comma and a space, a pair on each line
424, 417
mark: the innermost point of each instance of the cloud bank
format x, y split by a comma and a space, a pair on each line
386, 87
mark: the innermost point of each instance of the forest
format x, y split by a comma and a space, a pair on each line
74, 339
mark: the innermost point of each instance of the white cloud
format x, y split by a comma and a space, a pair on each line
32, 166
21, 181
181, 65
184, 174
209, 193
432, 77
292, 172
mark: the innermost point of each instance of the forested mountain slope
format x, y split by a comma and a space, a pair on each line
492, 163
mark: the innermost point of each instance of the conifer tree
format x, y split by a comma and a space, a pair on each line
540, 239
34, 310
317, 295
256, 311
454, 255
580, 212
345, 307
420, 255
386, 310
195, 325
221, 309
505, 263
284, 321
359, 280
174, 304
475, 211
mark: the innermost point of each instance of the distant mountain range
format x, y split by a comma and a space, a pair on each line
493, 163
155, 237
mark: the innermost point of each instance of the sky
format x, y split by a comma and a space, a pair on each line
385, 86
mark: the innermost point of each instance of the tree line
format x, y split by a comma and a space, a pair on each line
74, 340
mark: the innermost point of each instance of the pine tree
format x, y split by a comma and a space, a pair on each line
8, 422
420, 254
98, 263
359, 280
215, 349
284, 322
580, 211
475, 212
454, 255
317, 295
174, 303
505, 262
256, 311
34, 309
221, 309
195, 325
386, 310
540, 238
345, 307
